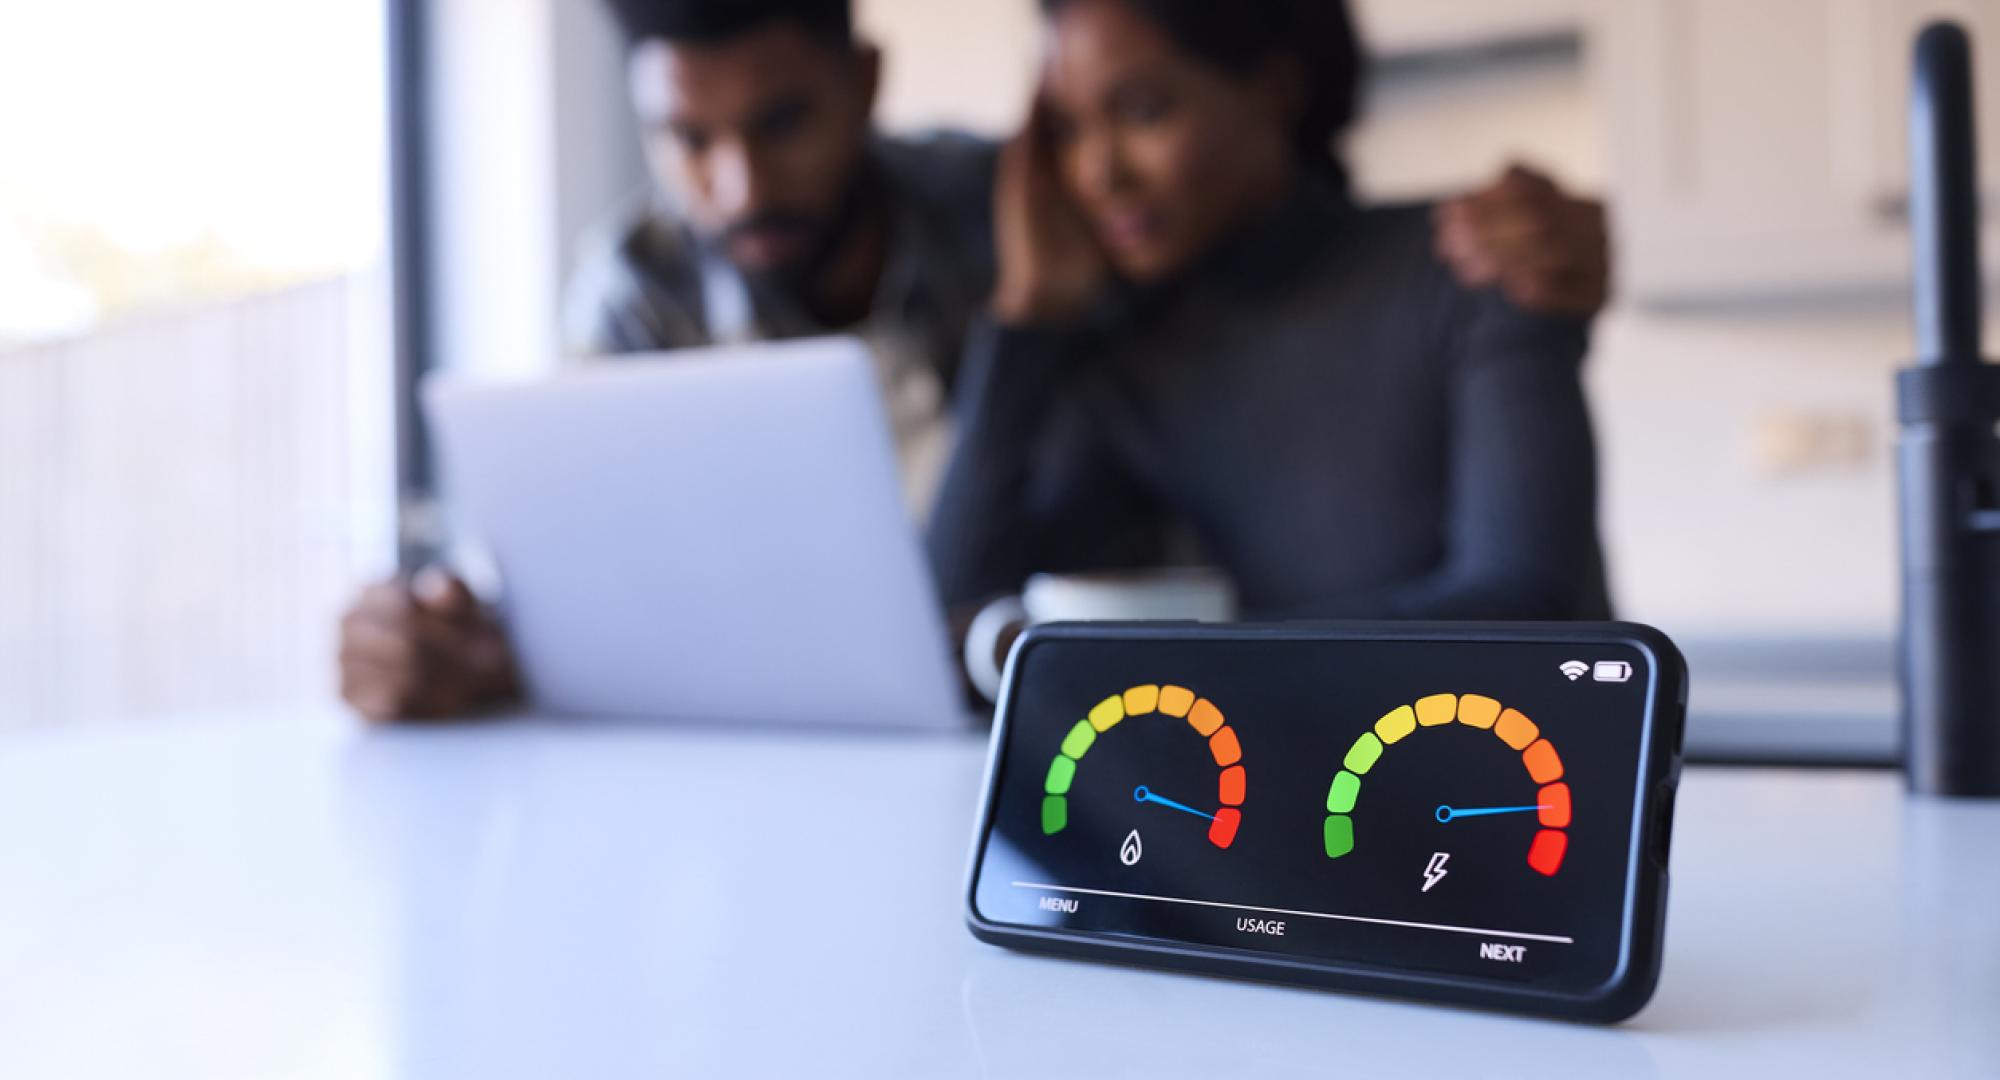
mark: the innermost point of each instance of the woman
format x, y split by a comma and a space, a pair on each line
1200, 336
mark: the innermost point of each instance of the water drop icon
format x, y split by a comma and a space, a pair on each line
1130, 850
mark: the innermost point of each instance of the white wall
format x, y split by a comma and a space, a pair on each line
960, 63
532, 143
598, 163
493, 168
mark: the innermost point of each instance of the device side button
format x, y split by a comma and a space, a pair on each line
1663, 821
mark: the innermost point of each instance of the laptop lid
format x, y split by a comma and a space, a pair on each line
712, 535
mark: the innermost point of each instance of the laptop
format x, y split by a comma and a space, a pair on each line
715, 535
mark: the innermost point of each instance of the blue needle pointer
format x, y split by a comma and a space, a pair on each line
1446, 813
1143, 794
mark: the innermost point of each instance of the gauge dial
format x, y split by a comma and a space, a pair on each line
1542, 792
1154, 703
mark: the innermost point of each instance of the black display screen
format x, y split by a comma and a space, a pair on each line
1458, 807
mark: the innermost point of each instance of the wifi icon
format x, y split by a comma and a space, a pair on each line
1574, 669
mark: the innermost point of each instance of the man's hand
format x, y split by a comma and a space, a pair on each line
422, 651
1051, 269
1547, 251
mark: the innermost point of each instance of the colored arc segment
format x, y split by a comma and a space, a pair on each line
1177, 702
1538, 756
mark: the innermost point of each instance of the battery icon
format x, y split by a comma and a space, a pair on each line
1611, 671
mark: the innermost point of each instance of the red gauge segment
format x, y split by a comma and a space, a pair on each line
1546, 853
1222, 831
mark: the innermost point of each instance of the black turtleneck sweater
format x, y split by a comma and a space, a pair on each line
1319, 406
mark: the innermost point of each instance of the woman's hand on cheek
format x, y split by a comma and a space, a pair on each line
1051, 269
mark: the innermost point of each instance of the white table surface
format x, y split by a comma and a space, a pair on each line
286, 896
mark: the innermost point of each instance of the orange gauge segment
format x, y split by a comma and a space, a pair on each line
1205, 717
1553, 802
1475, 710
1542, 762
1223, 744
1515, 730
1230, 789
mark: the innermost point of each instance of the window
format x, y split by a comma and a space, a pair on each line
194, 362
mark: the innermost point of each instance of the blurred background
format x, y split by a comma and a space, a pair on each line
199, 338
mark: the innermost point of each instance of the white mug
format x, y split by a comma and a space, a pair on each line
1165, 594
1193, 592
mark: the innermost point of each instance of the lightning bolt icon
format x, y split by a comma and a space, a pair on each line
1435, 872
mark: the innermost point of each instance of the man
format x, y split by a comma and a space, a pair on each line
790, 217
780, 213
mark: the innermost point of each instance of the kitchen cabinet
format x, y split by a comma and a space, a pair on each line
1757, 149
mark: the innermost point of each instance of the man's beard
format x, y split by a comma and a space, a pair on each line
826, 236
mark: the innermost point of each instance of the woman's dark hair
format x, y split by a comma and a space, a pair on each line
1239, 35
709, 21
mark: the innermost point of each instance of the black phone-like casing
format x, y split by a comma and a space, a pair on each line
1644, 923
